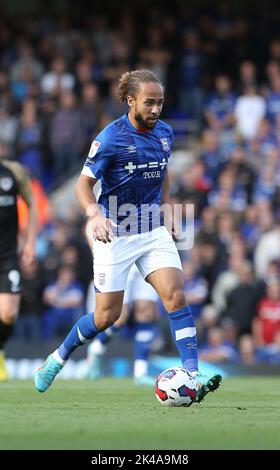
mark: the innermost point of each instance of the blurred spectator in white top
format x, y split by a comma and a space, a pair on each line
58, 79
249, 110
26, 61
226, 282
8, 127
267, 323
268, 249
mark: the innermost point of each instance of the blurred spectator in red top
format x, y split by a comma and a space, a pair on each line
267, 324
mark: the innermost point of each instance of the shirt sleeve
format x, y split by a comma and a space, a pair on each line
101, 152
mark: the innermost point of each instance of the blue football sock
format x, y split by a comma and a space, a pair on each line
106, 335
143, 339
184, 336
83, 331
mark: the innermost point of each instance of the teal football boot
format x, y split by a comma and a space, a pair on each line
207, 385
46, 374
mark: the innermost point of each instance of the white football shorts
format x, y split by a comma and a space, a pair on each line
149, 251
137, 288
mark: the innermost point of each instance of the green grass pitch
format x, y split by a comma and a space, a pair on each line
115, 414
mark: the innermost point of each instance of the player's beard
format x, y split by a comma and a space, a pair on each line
144, 123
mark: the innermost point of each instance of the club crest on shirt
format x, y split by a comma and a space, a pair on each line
6, 183
165, 144
101, 279
94, 147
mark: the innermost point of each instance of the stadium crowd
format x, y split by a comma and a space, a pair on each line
57, 90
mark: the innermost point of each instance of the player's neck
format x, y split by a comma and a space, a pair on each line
136, 124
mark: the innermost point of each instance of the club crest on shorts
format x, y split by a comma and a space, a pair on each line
165, 144
6, 183
101, 279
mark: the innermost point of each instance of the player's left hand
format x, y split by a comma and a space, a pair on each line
28, 254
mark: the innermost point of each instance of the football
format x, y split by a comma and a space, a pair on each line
176, 387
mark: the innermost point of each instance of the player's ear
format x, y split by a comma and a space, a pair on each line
130, 101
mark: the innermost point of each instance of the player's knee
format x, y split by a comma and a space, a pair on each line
105, 319
8, 317
175, 300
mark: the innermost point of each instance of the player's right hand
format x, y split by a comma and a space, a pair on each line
101, 228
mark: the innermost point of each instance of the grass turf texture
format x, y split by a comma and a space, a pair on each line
115, 414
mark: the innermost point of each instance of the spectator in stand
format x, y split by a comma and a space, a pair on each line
272, 70
218, 110
57, 238
195, 288
226, 229
250, 229
247, 350
267, 250
228, 196
225, 283
271, 352
194, 187
242, 301
64, 300
217, 349
249, 110
207, 225
112, 108
210, 154
84, 75
29, 142
210, 261
8, 128
58, 80
26, 61
247, 75
67, 134
244, 172
267, 323
191, 67
263, 143
155, 54
90, 111
266, 185
29, 325
274, 50
71, 255
273, 101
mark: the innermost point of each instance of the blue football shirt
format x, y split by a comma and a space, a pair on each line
131, 166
